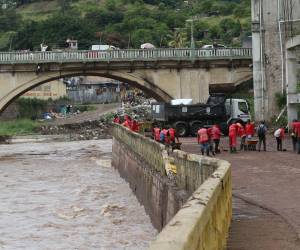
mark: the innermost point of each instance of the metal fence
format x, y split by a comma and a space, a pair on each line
123, 55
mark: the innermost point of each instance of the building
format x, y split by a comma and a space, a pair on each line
54, 90
95, 90
274, 24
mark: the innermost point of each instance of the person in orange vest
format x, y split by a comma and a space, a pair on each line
127, 122
156, 133
173, 135
210, 141
202, 137
216, 136
242, 134
232, 137
116, 119
279, 136
249, 129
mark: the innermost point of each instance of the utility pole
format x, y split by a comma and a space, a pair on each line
192, 39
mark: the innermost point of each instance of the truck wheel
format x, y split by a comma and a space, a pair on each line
182, 129
195, 126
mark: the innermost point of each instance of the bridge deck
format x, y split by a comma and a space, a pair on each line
124, 55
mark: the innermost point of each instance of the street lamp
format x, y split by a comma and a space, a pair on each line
192, 33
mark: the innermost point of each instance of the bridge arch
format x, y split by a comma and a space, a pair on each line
43, 77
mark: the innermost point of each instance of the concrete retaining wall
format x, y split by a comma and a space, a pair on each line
199, 222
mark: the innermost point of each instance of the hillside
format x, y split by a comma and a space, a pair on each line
24, 24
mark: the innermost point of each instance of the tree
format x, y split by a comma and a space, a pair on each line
178, 40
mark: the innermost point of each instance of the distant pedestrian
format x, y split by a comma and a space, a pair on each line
216, 136
202, 137
261, 133
279, 136
232, 137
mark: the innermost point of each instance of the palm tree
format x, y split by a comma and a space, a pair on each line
178, 39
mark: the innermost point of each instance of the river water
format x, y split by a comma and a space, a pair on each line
66, 195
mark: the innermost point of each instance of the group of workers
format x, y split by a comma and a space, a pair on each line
166, 135
128, 122
209, 138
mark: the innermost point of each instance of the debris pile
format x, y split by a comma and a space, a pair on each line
88, 130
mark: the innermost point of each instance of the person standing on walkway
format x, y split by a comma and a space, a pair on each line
249, 129
261, 133
294, 135
297, 132
216, 136
242, 134
232, 137
279, 135
210, 141
202, 137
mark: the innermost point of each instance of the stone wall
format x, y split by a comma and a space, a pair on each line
142, 163
200, 223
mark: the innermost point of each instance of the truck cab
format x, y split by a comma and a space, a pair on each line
237, 110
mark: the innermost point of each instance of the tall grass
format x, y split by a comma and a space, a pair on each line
18, 127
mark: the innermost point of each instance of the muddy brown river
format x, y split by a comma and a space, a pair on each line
66, 195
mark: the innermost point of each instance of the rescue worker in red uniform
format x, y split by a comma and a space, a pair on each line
173, 135
216, 136
202, 137
242, 134
135, 126
250, 129
116, 119
232, 137
297, 132
156, 133
127, 122
294, 135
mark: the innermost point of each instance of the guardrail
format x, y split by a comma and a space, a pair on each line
123, 55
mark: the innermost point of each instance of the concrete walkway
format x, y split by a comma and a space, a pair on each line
266, 197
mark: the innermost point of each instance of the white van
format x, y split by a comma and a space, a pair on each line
103, 47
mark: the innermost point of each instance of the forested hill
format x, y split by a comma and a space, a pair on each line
24, 24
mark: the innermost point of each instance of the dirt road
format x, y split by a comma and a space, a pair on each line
266, 192
101, 109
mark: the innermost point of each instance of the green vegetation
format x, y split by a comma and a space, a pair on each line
31, 108
18, 127
25, 24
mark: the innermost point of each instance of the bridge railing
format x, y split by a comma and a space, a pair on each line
123, 55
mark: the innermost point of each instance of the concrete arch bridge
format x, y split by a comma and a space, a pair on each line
164, 74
